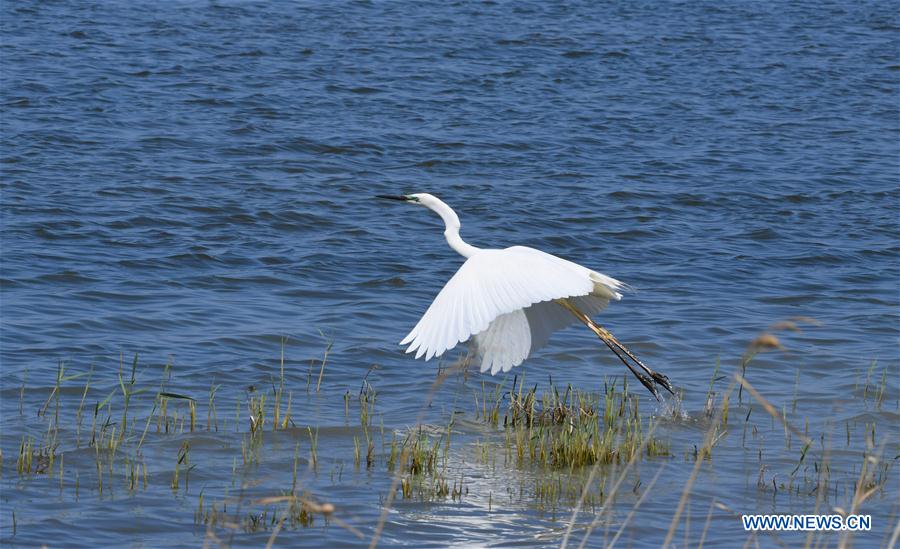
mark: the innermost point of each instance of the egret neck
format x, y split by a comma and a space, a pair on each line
451, 222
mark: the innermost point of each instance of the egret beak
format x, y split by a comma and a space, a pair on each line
399, 197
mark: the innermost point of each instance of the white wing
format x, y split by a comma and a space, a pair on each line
513, 337
494, 294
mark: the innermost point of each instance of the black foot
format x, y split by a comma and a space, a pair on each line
648, 383
664, 381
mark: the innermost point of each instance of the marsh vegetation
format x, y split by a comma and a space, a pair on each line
248, 462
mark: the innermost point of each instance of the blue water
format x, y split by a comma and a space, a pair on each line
194, 180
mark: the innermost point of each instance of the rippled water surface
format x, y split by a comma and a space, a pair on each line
192, 181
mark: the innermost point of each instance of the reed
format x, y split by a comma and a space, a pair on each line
587, 448
573, 428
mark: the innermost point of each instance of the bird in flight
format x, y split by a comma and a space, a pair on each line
509, 301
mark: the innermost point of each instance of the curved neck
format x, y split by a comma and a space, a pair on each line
451, 230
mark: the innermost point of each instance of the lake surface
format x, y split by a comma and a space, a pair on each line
193, 181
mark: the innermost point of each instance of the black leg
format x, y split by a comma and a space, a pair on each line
648, 380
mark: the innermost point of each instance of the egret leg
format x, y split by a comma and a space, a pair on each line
648, 380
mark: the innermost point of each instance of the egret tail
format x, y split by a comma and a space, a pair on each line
649, 379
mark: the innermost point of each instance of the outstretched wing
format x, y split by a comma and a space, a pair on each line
515, 336
493, 283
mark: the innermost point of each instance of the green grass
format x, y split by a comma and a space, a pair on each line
579, 448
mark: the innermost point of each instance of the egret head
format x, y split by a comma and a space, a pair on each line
422, 199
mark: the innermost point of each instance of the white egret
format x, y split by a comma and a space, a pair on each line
509, 301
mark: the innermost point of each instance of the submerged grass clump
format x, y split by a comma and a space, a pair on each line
423, 461
294, 508
572, 429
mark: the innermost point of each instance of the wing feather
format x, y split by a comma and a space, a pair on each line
511, 338
486, 292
